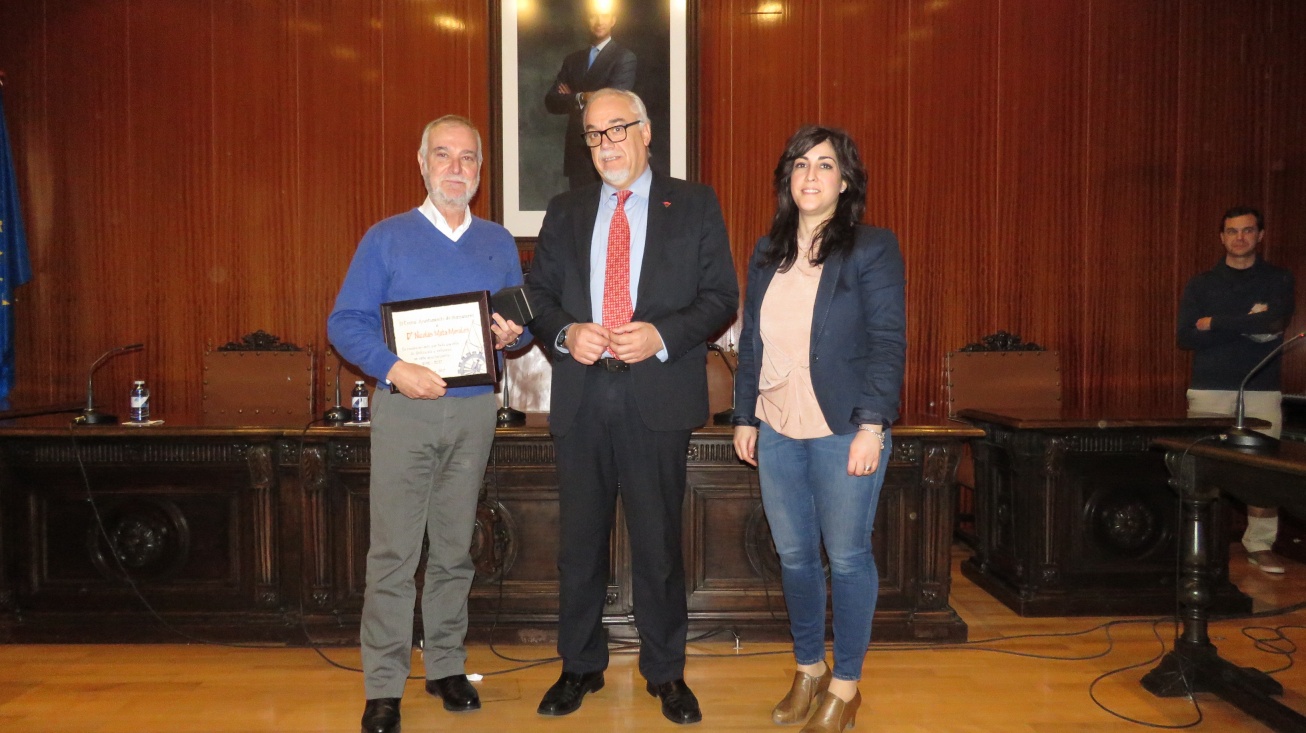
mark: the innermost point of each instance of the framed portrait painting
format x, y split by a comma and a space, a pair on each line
546, 55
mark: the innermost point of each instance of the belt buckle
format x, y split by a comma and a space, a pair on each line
613, 365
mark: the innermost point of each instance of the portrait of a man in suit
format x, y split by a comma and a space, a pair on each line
604, 63
564, 50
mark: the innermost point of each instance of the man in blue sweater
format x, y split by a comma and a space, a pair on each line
430, 442
1231, 317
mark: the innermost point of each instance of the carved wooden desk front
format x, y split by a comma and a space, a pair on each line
262, 534
1074, 515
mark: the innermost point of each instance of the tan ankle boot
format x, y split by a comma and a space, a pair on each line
834, 715
803, 697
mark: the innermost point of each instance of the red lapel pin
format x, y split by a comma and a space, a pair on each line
666, 204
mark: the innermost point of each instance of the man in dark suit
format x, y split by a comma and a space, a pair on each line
631, 278
604, 64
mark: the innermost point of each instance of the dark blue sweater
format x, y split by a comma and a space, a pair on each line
1224, 355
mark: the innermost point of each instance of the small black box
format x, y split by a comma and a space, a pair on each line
511, 303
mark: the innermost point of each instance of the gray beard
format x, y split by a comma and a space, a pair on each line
615, 177
439, 199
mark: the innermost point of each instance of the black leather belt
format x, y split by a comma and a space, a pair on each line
612, 365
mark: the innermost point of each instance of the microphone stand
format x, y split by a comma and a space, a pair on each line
726, 416
1239, 435
506, 416
90, 415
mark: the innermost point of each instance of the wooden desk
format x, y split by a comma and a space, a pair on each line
262, 534
1074, 517
1201, 472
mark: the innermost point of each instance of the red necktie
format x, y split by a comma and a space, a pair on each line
617, 308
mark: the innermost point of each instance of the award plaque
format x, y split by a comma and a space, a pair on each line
448, 334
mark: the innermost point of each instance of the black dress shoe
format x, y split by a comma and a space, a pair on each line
381, 715
678, 702
457, 692
566, 694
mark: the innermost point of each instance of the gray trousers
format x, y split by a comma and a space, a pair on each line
428, 464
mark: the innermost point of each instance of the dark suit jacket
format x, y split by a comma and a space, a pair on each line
859, 340
687, 290
613, 67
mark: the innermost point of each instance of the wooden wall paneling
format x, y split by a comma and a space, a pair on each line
246, 147
1040, 180
256, 150
341, 170
771, 93
156, 287
427, 67
1221, 132
437, 63
1287, 165
474, 86
951, 189
717, 119
89, 244
864, 62
1127, 359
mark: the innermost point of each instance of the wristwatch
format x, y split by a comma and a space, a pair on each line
561, 341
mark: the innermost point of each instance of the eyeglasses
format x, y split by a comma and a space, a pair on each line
616, 134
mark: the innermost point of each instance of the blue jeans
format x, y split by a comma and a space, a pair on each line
809, 498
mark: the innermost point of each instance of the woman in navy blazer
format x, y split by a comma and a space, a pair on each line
817, 387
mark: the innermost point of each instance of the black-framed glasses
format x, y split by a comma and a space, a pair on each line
616, 134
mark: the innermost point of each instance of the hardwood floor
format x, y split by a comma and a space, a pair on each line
1034, 677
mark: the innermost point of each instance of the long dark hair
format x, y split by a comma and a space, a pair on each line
838, 233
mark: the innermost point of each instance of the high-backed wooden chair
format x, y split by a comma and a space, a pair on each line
260, 381
1000, 373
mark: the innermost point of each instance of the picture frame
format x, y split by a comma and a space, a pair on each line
530, 42
448, 334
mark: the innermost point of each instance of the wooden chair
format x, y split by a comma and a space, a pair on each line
259, 381
999, 373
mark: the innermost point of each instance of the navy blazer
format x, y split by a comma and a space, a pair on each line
614, 67
687, 289
859, 334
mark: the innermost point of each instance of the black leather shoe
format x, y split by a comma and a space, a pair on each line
566, 694
381, 715
678, 702
457, 692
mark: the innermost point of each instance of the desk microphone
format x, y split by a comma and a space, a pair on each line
91, 416
337, 415
1239, 435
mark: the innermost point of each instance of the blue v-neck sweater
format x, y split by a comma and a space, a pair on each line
406, 257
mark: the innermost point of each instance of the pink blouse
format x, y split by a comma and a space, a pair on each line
786, 400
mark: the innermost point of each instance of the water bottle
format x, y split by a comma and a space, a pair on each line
361, 412
140, 399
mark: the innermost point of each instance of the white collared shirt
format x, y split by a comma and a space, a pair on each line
434, 216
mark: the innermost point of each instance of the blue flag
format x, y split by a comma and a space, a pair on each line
15, 268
